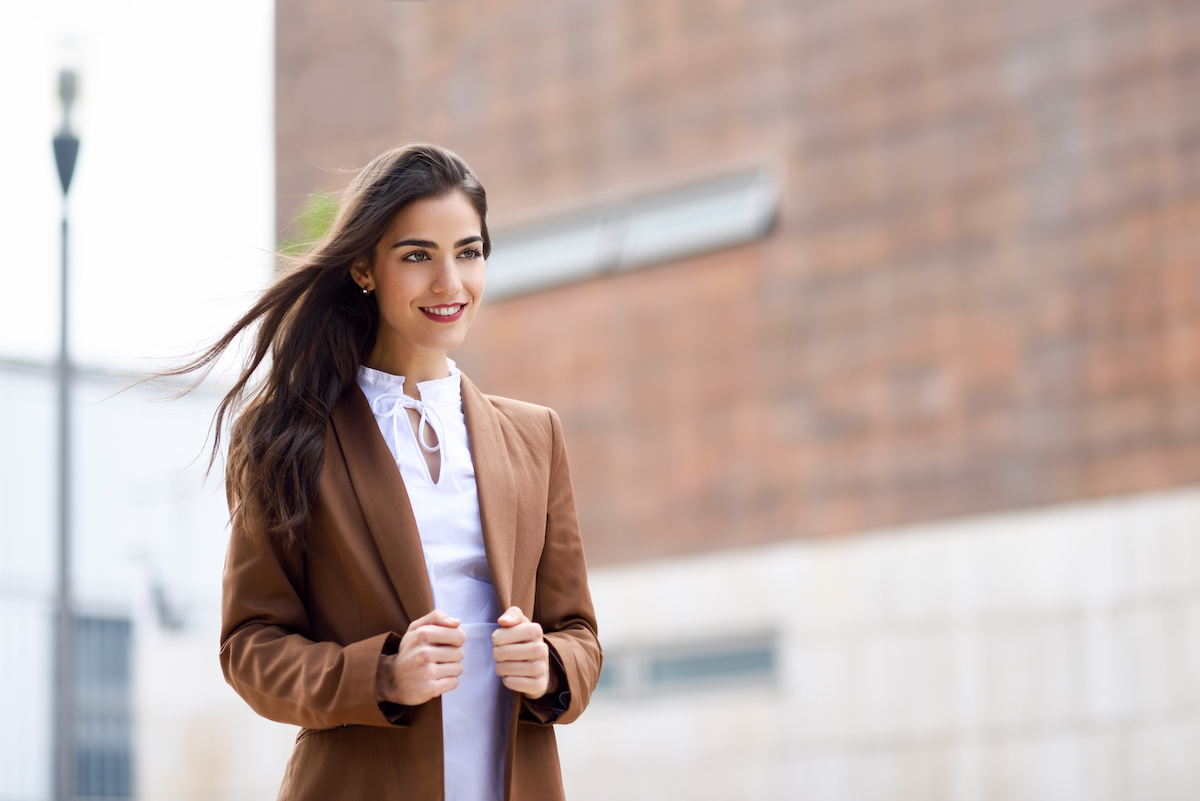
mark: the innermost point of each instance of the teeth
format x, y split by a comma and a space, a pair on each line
445, 311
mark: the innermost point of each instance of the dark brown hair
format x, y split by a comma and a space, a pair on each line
317, 326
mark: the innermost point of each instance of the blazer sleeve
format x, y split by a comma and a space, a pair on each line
267, 654
563, 603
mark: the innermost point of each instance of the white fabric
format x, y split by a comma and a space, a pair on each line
475, 714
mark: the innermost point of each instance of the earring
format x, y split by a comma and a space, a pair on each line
366, 291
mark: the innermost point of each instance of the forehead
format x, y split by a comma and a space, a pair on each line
449, 217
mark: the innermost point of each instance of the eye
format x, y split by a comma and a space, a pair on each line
415, 256
471, 253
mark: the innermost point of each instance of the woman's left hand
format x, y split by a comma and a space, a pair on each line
522, 656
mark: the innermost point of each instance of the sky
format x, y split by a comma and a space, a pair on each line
172, 203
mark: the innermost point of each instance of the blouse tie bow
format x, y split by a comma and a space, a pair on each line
390, 405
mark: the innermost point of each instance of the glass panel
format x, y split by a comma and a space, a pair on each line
634, 232
747, 662
103, 698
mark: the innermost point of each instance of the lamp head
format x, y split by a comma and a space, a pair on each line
66, 144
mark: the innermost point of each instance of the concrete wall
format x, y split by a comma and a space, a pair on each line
197, 740
1052, 653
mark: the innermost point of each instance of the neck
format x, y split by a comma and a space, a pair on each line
415, 366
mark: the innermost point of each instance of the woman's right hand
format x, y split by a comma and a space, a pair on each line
427, 664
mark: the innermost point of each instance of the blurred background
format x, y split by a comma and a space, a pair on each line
874, 327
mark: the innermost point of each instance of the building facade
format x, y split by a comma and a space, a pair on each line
979, 294
875, 332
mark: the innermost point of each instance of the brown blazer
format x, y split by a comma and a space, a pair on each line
302, 629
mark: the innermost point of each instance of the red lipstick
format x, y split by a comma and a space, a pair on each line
444, 318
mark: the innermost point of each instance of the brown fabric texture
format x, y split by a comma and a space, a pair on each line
302, 629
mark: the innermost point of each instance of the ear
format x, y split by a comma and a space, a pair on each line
360, 271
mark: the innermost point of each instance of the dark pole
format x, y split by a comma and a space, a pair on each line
66, 148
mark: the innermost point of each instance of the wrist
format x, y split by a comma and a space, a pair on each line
385, 678
551, 681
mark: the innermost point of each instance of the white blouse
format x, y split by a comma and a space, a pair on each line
475, 714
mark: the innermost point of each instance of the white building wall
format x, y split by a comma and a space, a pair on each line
1046, 654
154, 525
26, 582
196, 739
146, 526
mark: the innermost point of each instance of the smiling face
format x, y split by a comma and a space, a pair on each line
427, 276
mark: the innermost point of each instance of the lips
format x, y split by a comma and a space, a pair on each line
446, 313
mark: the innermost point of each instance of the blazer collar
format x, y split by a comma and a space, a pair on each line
383, 500
494, 483
388, 511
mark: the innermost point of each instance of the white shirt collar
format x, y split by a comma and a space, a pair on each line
438, 392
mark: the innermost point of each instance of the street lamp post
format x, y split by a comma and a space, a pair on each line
66, 148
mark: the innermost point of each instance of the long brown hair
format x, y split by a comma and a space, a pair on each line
317, 326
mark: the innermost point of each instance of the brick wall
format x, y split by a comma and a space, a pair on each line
983, 292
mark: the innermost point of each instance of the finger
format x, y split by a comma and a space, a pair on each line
435, 671
431, 671
524, 632
442, 686
522, 652
417, 680
438, 655
513, 616
435, 618
529, 670
436, 635
531, 688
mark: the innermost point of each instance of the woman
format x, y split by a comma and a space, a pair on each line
405, 577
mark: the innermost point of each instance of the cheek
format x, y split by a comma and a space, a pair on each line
397, 290
476, 282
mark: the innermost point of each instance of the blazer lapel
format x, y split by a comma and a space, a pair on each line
383, 500
494, 481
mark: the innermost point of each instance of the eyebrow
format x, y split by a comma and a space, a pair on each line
425, 243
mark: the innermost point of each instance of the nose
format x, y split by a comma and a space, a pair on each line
447, 280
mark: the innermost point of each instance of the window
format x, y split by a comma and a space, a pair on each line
639, 671
104, 764
753, 660
683, 220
